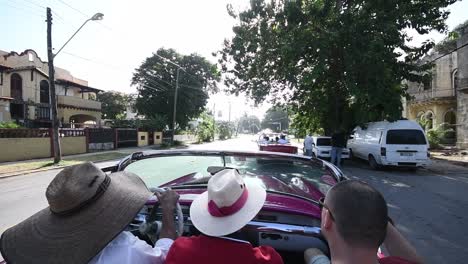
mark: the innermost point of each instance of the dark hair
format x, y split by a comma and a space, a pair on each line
360, 213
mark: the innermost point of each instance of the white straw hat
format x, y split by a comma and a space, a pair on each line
228, 204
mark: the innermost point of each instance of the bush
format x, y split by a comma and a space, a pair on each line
440, 135
9, 125
206, 128
225, 130
156, 123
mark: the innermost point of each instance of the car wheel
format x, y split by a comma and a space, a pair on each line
373, 163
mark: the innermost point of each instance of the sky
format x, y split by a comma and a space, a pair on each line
106, 53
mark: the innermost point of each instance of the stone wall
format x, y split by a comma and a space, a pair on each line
462, 93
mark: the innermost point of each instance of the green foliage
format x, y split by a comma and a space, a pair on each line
155, 123
113, 104
338, 63
9, 125
156, 81
275, 118
440, 135
450, 42
248, 123
206, 128
225, 129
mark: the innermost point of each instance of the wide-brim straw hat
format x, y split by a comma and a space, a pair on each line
87, 209
228, 204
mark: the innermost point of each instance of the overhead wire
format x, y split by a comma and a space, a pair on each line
29, 11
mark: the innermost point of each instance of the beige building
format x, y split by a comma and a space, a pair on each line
443, 98
25, 97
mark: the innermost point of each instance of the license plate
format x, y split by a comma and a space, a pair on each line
406, 154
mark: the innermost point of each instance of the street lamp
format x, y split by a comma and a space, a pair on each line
53, 100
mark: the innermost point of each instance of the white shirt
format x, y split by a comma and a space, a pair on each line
308, 142
282, 141
127, 248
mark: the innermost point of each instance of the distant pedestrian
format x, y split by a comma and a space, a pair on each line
308, 144
338, 142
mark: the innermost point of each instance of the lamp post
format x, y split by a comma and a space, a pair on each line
53, 99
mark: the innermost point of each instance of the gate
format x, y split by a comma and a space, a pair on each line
127, 137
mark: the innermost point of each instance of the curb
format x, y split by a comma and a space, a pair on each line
25, 172
454, 162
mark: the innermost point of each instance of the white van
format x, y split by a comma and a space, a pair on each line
401, 143
321, 148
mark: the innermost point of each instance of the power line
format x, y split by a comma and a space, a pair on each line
25, 11
71, 7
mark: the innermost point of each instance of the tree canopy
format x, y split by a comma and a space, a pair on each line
338, 63
113, 104
276, 118
156, 81
249, 123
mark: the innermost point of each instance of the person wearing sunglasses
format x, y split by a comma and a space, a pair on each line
355, 223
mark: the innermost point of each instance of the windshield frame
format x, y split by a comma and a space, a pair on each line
337, 173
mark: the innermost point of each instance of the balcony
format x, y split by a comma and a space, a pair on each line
430, 95
79, 103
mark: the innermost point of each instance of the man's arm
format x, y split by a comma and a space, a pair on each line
398, 246
168, 201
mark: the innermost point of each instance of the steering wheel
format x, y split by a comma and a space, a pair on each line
152, 227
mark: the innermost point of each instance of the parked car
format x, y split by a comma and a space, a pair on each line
321, 148
402, 143
290, 218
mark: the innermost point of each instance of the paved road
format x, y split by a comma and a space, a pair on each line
430, 206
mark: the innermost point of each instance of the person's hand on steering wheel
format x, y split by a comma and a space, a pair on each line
168, 201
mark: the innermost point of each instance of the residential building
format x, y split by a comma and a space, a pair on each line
25, 96
443, 97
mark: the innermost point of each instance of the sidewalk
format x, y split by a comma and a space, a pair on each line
456, 157
15, 168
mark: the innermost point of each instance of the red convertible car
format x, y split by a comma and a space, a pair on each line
276, 143
290, 218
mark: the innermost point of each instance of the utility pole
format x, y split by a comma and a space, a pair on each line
53, 97
229, 111
214, 121
175, 106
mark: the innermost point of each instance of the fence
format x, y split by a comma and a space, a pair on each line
24, 144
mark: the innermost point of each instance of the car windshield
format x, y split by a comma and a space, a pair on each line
158, 171
324, 142
405, 137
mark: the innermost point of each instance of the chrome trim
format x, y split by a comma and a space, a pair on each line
284, 228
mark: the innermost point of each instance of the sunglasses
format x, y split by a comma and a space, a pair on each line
322, 205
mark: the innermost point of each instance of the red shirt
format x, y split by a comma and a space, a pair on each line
394, 260
206, 250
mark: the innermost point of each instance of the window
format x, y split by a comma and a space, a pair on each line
323, 141
44, 92
1, 78
427, 82
16, 87
405, 137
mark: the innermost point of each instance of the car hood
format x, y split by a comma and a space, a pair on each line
291, 194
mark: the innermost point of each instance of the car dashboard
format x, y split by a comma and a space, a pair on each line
289, 234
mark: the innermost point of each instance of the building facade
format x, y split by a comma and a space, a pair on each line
443, 97
25, 96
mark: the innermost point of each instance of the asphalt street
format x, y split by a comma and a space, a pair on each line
429, 206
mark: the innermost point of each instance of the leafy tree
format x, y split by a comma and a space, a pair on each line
156, 82
339, 63
225, 129
274, 117
113, 104
249, 123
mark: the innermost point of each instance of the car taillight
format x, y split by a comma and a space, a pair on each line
383, 152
